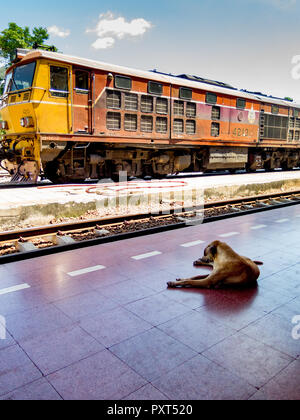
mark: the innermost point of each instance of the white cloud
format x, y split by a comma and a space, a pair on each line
103, 43
110, 27
61, 33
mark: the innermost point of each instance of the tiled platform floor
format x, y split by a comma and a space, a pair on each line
119, 333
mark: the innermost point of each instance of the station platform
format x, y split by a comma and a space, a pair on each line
100, 322
32, 206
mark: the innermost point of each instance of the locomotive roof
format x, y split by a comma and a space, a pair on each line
152, 75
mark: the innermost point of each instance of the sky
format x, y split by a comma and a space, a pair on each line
250, 44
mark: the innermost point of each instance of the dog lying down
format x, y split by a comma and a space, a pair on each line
229, 268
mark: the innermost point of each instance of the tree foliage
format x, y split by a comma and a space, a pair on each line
16, 37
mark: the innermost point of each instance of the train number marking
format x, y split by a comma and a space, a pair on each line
241, 132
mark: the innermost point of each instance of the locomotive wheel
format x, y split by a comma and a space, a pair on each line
249, 170
115, 177
147, 172
159, 176
53, 174
285, 167
267, 166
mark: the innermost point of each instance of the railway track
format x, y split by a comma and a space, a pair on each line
33, 242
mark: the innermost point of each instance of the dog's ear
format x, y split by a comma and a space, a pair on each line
213, 250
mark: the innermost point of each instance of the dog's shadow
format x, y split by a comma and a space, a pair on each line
226, 299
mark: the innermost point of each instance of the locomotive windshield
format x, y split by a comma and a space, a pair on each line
20, 78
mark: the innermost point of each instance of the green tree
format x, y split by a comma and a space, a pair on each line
16, 37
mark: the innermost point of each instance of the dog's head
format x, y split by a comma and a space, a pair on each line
210, 252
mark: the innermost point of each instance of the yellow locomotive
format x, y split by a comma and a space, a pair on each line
73, 118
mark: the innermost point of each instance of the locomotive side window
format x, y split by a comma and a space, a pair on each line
161, 106
190, 127
178, 108
185, 93
215, 129
130, 122
113, 99
146, 123
123, 82
155, 88
240, 103
215, 113
190, 109
146, 103
59, 81
211, 98
82, 81
131, 101
178, 126
161, 125
113, 121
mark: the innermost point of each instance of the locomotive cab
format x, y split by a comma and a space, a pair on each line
19, 153
36, 98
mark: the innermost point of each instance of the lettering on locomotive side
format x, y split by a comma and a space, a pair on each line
241, 132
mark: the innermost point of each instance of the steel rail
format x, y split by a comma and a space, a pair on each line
275, 201
42, 231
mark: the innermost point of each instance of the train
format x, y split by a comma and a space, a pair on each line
70, 118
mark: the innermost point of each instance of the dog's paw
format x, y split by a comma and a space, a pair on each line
178, 279
196, 263
171, 284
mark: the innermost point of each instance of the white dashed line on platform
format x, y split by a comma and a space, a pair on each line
227, 235
14, 289
282, 220
189, 244
86, 270
144, 256
258, 227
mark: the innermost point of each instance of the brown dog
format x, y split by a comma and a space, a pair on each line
229, 268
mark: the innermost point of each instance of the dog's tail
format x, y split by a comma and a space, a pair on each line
258, 262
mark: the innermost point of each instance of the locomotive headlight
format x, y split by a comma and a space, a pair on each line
4, 125
27, 122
